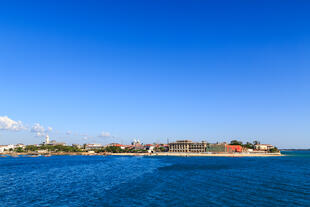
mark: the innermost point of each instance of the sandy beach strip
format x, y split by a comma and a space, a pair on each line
150, 154
201, 154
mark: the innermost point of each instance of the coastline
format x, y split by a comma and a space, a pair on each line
33, 154
201, 154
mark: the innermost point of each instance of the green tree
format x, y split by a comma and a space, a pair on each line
274, 150
31, 148
235, 142
114, 149
160, 149
19, 149
256, 142
248, 145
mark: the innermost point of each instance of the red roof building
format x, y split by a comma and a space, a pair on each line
233, 148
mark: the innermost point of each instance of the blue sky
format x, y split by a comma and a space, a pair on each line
202, 70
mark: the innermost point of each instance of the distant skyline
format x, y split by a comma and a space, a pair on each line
112, 71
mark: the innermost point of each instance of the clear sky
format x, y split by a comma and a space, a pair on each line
112, 71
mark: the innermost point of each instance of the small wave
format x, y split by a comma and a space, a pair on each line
185, 167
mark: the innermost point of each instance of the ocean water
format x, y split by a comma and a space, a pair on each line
155, 181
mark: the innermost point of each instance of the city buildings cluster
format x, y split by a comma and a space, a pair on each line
180, 146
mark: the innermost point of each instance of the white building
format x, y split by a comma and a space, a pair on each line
150, 149
263, 147
93, 146
6, 147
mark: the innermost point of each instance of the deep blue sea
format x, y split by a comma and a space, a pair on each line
155, 181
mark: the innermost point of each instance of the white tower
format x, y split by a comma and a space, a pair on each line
47, 139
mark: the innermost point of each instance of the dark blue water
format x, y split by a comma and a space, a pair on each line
155, 181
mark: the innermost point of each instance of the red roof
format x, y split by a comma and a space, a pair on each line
118, 145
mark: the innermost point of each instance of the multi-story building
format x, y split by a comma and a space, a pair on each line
233, 148
263, 147
187, 146
200, 147
93, 146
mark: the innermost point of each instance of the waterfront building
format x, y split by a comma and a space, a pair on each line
149, 148
187, 146
93, 146
263, 147
216, 148
6, 147
234, 148
202, 147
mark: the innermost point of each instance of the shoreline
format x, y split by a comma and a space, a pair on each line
201, 154
34, 154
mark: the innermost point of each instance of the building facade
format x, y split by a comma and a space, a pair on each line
202, 147
263, 147
6, 147
187, 146
233, 148
93, 146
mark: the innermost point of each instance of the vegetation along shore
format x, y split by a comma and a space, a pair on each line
178, 148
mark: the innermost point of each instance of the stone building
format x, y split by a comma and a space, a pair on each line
216, 148
187, 146
198, 147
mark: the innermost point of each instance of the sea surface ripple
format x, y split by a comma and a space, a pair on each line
155, 181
